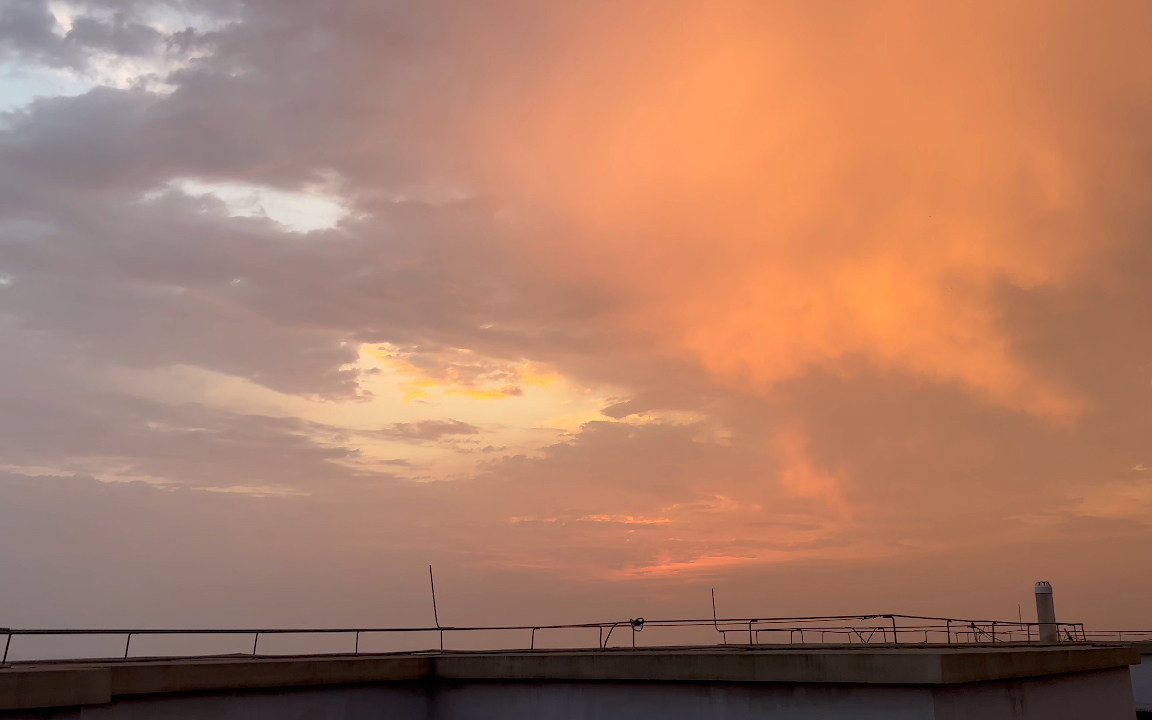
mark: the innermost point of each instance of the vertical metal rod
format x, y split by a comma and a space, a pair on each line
750, 633
6, 644
435, 614
993, 632
608, 637
948, 626
723, 633
432, 582
357, 650
600, 631
895, 639
254, 641
126, 644
532, 645
633, 626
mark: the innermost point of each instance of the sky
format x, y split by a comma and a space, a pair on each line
594, 306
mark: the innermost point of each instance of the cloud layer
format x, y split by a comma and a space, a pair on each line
634, 294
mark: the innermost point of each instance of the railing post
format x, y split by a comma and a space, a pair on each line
608, 637
948, 627
126, 644
895, 638
254, 641
357, 650
7, 643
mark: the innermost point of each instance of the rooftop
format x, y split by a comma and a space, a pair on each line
63, 683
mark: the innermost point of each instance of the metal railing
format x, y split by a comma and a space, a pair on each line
871, 629
890, 629
1120, 636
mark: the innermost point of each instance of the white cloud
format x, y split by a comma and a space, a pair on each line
297, 211
257, 491
21, 82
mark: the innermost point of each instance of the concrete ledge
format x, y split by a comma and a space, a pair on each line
889, 666
28, 686
247, 673
54, 687
1030, 662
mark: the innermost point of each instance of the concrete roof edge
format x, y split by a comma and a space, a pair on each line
26, 686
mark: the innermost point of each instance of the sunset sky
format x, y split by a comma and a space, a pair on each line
833, 307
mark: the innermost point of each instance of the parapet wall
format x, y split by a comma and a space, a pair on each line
848, 682
1142, 681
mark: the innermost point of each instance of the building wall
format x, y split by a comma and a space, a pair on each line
524, 700
1098, 695
1104, 695
1142, 683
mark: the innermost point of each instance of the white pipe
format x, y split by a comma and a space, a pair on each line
1046, 614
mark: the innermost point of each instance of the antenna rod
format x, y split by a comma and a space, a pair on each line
723, 633
432, 581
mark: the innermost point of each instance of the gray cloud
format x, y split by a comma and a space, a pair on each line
27, 26
105, 267
427, 430
31, 33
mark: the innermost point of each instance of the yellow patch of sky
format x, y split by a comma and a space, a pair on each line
518, 407
625, 519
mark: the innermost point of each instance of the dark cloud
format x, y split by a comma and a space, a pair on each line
427, 430
57, 415
27, 26
29, 31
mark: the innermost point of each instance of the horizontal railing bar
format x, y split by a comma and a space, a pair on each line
741, 623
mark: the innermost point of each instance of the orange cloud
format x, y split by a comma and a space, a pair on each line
800, 478
471, 377
625, 519
778, 186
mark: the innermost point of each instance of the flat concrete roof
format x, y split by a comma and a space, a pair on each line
59, 684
